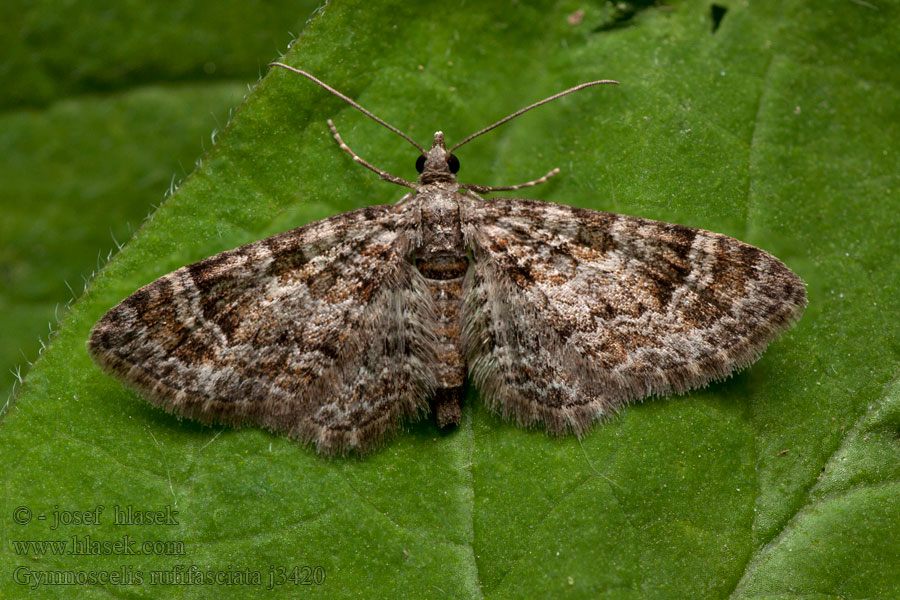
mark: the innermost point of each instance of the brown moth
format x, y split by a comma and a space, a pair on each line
338, 331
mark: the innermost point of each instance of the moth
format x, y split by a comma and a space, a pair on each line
338, 332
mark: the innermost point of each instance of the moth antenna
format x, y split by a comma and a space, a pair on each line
529, 107
327, 87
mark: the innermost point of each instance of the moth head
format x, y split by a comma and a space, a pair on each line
438, 164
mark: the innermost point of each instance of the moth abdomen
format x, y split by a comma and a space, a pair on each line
450, 367
443, 267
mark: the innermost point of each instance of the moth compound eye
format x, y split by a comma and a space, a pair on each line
452, 163
420, 163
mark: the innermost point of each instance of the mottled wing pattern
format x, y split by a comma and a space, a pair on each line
323, 333
570, 313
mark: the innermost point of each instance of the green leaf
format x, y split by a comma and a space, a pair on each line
779, 128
